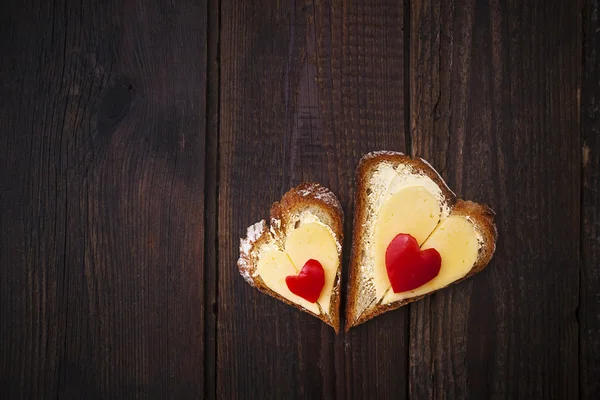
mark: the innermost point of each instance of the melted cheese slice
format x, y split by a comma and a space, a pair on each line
311, 240
273, 267
314, 240
413, 210
456, 239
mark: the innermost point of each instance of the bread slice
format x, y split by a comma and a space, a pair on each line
379, 211
306, 224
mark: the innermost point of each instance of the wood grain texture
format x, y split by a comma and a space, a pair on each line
589, 308
139, 139
102, 189
494, 105
211, 203
306, 89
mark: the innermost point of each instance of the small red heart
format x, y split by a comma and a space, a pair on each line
309, 282
407, 266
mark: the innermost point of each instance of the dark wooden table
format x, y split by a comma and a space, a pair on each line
140, 138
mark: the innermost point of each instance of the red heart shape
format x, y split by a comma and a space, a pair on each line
407, 266
309, 282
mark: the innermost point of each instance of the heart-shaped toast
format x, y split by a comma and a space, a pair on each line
298, 258
405, 217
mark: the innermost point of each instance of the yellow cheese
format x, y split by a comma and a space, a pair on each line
413, 210
314, 240
311, 240
273, 267
456, 239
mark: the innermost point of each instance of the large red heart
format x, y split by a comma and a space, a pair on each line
309, 282
407, 266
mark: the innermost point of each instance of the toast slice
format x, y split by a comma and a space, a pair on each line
306, 224
397, 194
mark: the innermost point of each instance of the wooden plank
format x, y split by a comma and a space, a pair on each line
361, 70
102, 148
494, 106
306, 89
589, 308
211, 201
265, 349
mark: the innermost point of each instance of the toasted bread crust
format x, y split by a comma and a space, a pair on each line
481, 215
307, 196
